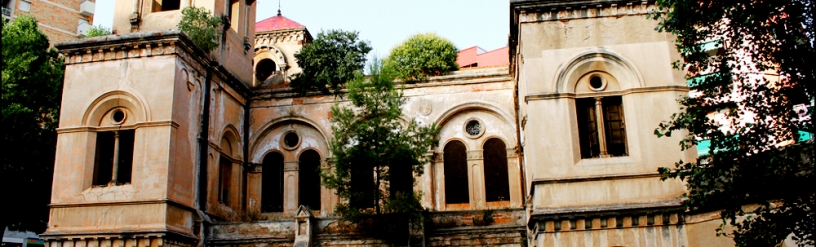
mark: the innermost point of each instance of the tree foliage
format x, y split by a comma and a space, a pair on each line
31, 91
762, 82
98, 30
423, 55
201, 26
330, 61
371, 139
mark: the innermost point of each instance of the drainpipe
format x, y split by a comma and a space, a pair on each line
203, 151
246, 152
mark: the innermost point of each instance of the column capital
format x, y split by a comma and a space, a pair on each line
290, 166
475, 154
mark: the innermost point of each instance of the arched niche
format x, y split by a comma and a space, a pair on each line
493, 123
269, 66
99, 112
579, 69
230, 143
271, 137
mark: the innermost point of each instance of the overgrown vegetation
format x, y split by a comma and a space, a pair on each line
32, 76
330, 61
761, 80
376, 155
422, 55
98, 30
201, 26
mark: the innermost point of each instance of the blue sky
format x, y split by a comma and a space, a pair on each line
386, 23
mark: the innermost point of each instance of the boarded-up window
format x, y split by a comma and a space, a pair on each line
224, 180
497, 184
105, 152
362, 184
401, 179
593, 133
272, 183
309, 179
456, 175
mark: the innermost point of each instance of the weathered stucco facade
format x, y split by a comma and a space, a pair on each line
161, 143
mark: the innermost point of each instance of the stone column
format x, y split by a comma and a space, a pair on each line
475, 161
514, 174
438, 188
327, 196
425, 182
254, 187
290, 187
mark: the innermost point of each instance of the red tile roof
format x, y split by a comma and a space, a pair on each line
277, 22
476, 57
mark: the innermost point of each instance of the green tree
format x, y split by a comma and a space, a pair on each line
762, 80
201, 26
423, 55
31, 91
98, 30
330, 61
376, 154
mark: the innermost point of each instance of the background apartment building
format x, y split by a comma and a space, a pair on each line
61, 20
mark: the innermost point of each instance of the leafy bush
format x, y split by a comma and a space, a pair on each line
201, 26
423, 55
330, 61
98, 30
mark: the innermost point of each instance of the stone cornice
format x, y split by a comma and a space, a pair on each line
464, 77
146, 44
287, 35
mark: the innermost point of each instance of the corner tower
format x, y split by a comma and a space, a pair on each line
151, 140
277, 39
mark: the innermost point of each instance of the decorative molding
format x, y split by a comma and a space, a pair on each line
512, 152
112, 128
277, 36
595, 178
547, 96
582, 10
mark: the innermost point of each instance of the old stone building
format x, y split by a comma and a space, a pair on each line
161, 143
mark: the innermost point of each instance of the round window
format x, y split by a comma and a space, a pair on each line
118, 116
291, 140
474, 128
597, 83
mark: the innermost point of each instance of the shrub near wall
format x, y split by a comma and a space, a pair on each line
423, 55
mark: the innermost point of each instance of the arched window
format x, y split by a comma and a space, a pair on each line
272, 183
309, 179
401, 178
264, 69
456, 174
497, 183
225, 172
362, 185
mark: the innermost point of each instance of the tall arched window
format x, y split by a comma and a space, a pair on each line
309, 179
456, 174
272, 183
497, 183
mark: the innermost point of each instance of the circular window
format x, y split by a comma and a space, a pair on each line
597, 83
474, 128
118, 116
291, 140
